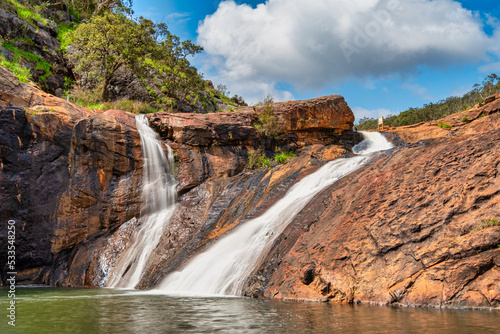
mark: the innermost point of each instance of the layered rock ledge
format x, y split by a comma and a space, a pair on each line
217, 144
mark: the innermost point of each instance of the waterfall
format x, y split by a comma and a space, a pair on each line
225, 266
158, 205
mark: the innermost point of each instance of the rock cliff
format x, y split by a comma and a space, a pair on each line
216, 144
67, 175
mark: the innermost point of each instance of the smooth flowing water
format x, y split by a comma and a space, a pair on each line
225, 266
158, 205
72, 311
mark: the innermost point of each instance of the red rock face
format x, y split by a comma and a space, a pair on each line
67, 175
215, 207
417, 227
315, 120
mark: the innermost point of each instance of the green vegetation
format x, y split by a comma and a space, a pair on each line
94, 7
26, 13
91, 99
64, 33
283, 157
443, 125
465, 118
21, 72
108, 42
257, 159
485, 224
435, 111
111, 41
40, 63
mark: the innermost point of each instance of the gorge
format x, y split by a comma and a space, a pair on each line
409, 226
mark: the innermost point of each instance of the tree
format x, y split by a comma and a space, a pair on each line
110, 41
99, 6
176, 75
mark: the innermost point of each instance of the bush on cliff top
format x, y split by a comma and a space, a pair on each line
268, 124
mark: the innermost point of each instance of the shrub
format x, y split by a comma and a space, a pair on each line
465, 118
258, 159
85, 97
133, 106
64, 34
444, 125
283, 157
268, 123
91, 99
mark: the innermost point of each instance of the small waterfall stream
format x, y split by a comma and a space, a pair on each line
224, 267
158, 205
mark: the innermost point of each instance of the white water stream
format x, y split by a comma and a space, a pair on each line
225, 266
158, 205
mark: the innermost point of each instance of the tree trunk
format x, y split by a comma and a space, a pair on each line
105, 89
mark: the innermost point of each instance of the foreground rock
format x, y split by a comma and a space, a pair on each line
418, 227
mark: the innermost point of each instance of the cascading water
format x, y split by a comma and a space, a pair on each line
158, 205
225, 266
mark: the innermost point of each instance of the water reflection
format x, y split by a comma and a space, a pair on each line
110, 311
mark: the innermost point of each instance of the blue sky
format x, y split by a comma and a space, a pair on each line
383, 56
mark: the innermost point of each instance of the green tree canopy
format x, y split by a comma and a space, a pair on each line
112, 40
98, 6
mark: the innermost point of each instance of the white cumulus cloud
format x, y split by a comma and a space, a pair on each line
312, 43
